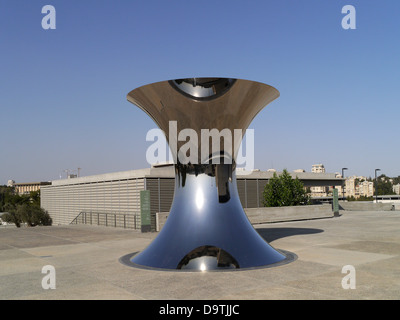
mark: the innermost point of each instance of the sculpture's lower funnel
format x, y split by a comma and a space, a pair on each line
207, 227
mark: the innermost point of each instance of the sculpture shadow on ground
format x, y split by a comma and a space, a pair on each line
271, 234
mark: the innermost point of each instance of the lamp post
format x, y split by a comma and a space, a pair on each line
376, 186
344, 182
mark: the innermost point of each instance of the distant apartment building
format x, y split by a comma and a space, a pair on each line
357, 186
350, 187
27, 187
318, 191
318, 168
396, 188
340, 188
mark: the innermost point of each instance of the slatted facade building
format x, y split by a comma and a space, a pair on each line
114, 199
111, 199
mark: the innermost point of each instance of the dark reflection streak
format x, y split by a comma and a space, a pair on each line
221, 172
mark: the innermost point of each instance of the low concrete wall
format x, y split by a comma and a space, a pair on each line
396, 203
278, 214
365, 206
281, 214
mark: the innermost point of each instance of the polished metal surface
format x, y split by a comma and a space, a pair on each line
207, 228
233, 106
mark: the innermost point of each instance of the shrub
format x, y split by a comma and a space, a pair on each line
32, 215
283, 190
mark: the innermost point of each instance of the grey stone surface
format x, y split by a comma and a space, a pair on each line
86, 260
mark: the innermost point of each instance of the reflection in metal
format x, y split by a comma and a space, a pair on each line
208, 258
202, 88
207, 228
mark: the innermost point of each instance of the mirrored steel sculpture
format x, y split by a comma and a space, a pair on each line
207, 228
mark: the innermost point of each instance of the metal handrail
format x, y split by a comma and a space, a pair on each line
110, 219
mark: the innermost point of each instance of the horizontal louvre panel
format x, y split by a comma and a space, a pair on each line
167, 187
241, 191
252, 196
152, 186
261, 186
116, 197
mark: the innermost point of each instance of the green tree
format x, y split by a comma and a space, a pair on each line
360, 198
383, 186
283, 190
8, 196
34, 197
33, 215
10, 215
22, 208
396, 180
24, 213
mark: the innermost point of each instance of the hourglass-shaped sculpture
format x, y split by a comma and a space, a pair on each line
207, 228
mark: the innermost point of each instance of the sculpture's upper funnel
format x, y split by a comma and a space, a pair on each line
203, 103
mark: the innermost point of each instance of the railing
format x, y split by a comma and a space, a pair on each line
121, 220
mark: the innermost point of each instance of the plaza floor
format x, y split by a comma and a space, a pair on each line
87, 265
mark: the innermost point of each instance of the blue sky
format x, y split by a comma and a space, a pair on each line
63, 92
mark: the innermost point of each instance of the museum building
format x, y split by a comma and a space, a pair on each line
113, 199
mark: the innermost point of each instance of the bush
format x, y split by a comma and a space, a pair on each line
22, 208
11, 217
283, 190
32, 215
360, 198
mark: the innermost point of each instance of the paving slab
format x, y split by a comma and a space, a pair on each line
87, 263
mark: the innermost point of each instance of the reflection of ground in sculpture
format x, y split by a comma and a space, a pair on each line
207, 257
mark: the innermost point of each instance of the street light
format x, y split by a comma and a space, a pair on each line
376, 186
344, 181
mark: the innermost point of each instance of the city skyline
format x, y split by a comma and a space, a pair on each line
63, 90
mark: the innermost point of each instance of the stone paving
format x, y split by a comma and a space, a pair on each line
86, 263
